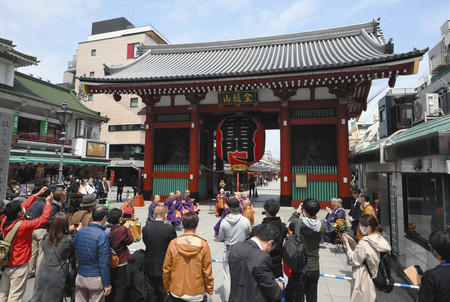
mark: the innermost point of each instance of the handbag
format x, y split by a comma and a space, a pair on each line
114, 261
69, 285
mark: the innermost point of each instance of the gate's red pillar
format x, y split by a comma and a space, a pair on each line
149, 155
210, 161
194, 152
285, 154
342, 151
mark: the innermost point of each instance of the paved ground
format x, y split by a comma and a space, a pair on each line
334, 290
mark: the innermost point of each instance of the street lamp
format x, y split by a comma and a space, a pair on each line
64, 116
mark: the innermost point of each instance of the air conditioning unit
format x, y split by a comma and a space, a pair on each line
425, 107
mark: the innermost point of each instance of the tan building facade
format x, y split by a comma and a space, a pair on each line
115, 42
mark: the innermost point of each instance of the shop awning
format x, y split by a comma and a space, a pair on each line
16, 159
54, 160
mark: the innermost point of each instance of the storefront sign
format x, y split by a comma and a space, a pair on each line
239, 167
6, 126
237, 98
15, 123
240, 139
44, 129
80, 128
96, 149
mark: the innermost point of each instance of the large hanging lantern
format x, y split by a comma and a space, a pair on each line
240, 140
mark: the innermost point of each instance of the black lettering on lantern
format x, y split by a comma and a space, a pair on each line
238, 139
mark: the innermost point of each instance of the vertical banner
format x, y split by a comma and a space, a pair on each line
15, 123
44, 130
80, 128
6, 126
111, 178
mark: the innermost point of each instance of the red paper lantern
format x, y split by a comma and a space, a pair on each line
39, 165
240, 139
30, 165
78, 166
55, 166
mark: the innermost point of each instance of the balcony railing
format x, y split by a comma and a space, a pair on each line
41, 138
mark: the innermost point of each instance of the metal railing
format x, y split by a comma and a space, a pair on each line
41, 138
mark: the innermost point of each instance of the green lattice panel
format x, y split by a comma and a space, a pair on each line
171, 168
163, 186
311, 113
320, 190
203, 186
314, 169
184, 117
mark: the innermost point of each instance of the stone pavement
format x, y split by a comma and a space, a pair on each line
329, 290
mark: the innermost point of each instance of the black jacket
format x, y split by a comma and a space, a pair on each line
277, 252
435, 285
355, 211
156, 236
251, 275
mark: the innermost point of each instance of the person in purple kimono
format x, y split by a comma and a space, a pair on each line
337, 213
188, 203
175, 210
221, 201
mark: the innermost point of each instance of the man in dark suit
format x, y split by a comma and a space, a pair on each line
251, 273
156, 236
355, 211
103, 190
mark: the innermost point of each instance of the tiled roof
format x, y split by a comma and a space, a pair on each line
335, 48
20, 59
31, 88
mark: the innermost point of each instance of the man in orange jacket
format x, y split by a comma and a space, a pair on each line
15, 276
184, 279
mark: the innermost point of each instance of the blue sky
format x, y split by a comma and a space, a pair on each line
51, 29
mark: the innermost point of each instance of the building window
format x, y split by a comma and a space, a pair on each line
132, 50
427, 205
93, 52
90, 97
134, 102
92, 74
132, 127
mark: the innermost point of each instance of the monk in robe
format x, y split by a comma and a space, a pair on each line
248, 212
173, 205
188, 203
244, 198
221, 201
366, 208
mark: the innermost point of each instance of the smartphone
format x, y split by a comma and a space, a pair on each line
76, 225
419, 270
280, 279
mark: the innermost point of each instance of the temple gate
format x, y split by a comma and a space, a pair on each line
308, 85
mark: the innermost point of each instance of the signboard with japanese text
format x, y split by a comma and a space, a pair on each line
240, 140
44, 129
239, 167
95, 149
6, 126
80, 128
15, 123
238, 98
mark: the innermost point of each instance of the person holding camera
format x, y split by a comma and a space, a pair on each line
311, 232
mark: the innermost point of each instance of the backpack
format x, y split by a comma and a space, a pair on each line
383, 280
293, 251
5, 245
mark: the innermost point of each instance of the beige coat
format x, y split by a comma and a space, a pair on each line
369, 248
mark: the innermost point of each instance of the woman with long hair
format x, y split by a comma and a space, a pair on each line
367, 250
58, 250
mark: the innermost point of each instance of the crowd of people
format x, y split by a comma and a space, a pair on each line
89, 249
